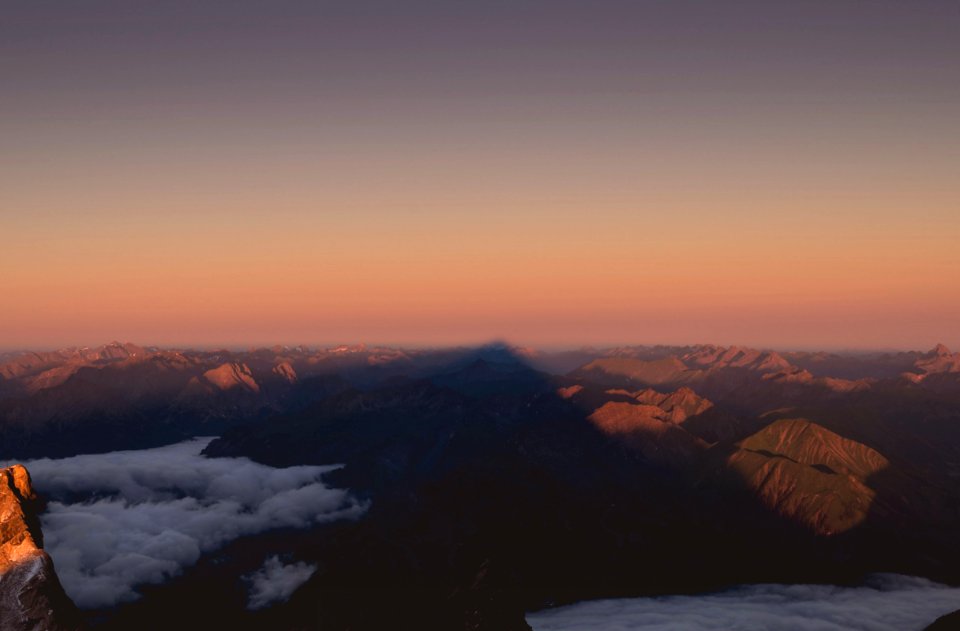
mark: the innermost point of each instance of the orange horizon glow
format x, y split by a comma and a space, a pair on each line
560, 283
872, 266
850, 270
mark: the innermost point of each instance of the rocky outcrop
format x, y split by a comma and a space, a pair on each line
31, 597
629, 370
938, 361
232, 375
678, 405
678, 366
36, 371
948, 622
648, 430
285, 371
807, 473
713, 357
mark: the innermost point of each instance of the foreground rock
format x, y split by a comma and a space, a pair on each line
31, 597
949, 622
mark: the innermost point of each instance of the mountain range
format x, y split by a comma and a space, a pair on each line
502, 480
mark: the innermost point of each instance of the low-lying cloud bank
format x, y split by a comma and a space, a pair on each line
127, 518
888, 603
275, 582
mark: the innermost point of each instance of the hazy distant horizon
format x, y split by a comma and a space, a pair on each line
547, 348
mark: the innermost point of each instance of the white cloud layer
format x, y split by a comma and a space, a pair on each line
275, 582
888, 603
128, 518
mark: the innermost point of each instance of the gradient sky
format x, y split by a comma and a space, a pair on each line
431, 172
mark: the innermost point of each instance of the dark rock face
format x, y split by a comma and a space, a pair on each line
31, 597
949, 622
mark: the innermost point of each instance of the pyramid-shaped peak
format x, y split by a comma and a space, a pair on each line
941, 350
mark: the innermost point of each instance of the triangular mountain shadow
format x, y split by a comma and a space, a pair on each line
497, 487
489, 485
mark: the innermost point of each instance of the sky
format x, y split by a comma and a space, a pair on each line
554, 173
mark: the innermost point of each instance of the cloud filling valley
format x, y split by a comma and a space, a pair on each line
128, 518
887, 603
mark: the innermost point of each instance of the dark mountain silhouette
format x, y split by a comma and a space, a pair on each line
949, 622
499, 485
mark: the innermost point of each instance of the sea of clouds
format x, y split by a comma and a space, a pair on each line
886, 603
128, 518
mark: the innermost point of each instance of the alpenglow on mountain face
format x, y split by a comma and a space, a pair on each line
31, 597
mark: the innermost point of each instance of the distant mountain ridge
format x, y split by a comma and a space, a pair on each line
180, 393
